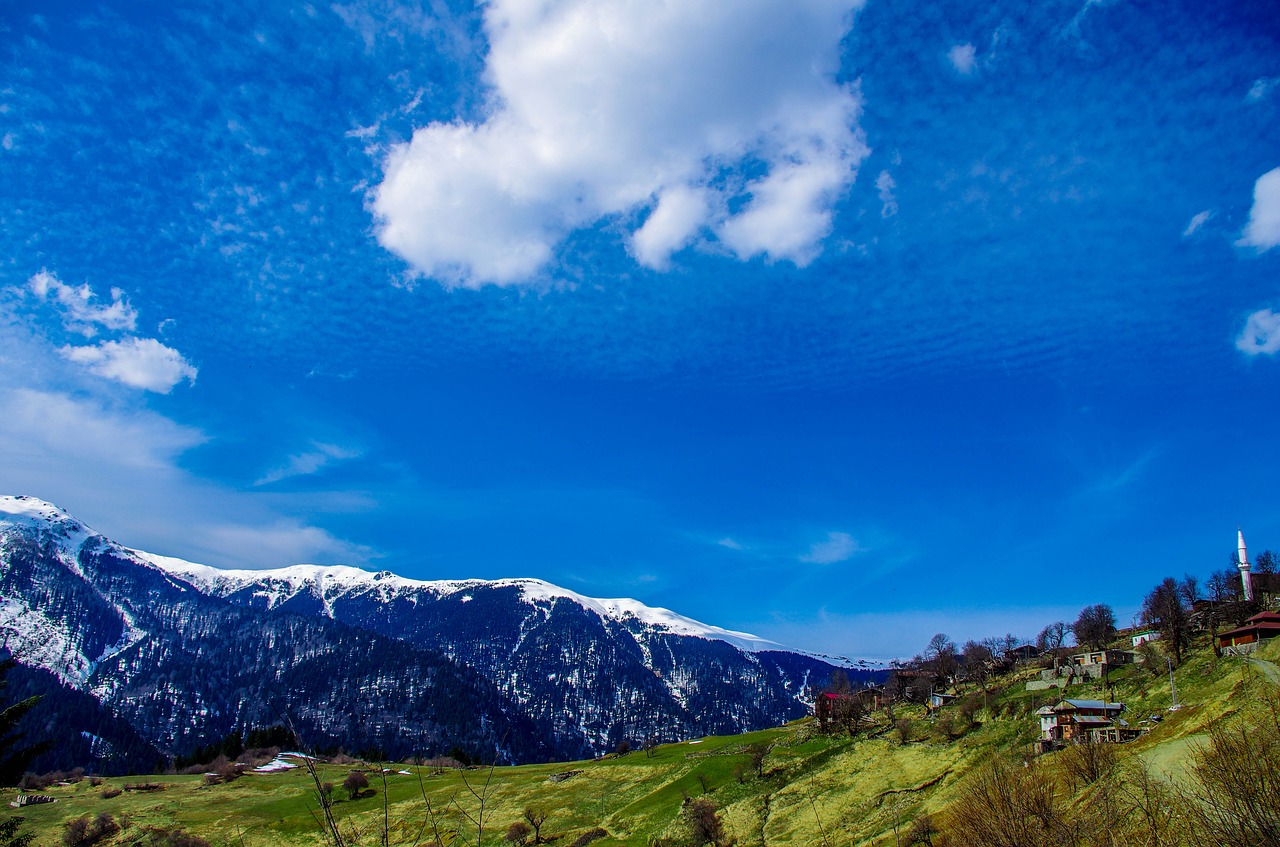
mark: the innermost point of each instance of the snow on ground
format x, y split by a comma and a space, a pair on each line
275, 765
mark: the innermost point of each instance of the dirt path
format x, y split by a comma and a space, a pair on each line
1269, 669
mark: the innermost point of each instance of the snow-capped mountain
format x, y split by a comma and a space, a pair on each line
328, 584
586, 672
597, 671
181, 668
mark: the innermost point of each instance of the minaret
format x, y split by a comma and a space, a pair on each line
1245, 579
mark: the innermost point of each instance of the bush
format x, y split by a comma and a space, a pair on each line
83, 832
518, 833
355, 783
108, 793
587, 837
705, 826
1088, 762
171, 837
1236, 774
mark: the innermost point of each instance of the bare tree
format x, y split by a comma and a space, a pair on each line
1164, 610
1233, 801
1266, 562
1007, 806
923, 831
940, 656
976, 658
1095, 627
1052, 637
758, 752
536, 816
705, 826
1189, 590
1088, 761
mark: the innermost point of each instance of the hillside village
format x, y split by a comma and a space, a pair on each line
1162, 733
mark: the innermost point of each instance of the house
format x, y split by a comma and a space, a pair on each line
1245, 639
1022, 653
1101, 657
831, 707
1075, 721
1092, 665
1144, 636
937, 699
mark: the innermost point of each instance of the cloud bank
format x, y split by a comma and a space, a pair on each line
678, 122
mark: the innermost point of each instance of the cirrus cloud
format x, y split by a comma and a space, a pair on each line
837, 547
677, 121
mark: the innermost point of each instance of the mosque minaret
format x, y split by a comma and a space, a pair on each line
1243, 564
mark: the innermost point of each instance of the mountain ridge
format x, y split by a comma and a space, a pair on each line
587, 672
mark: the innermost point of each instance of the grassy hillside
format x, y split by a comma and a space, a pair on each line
812, 788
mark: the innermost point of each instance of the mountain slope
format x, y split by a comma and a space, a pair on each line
184, 652
182, 668
597, 671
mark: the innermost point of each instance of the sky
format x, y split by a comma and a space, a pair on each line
838, 322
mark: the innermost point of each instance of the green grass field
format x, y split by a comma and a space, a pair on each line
814, 788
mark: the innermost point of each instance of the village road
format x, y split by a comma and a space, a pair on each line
1269, 669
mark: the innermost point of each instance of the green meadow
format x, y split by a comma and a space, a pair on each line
810, 788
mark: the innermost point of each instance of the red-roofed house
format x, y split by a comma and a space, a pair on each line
1245, 639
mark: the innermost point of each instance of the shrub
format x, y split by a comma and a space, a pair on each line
518, 833
705, 826
85, 832
1088, 762
172, 837
355, 783
587, 837
1233, 799
108, 793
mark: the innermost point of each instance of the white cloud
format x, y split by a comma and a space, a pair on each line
115, 464
1261, 89
603, 109
80, 311
1263, 229
140, 362
888, 203
963, 57
1261, 333
1196, 222
309, 462
838, 547
42, 421
286, 542
671, 225
731, 544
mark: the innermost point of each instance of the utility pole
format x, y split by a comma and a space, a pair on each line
1173, 688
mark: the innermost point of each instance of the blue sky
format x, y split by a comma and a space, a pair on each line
839, 323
